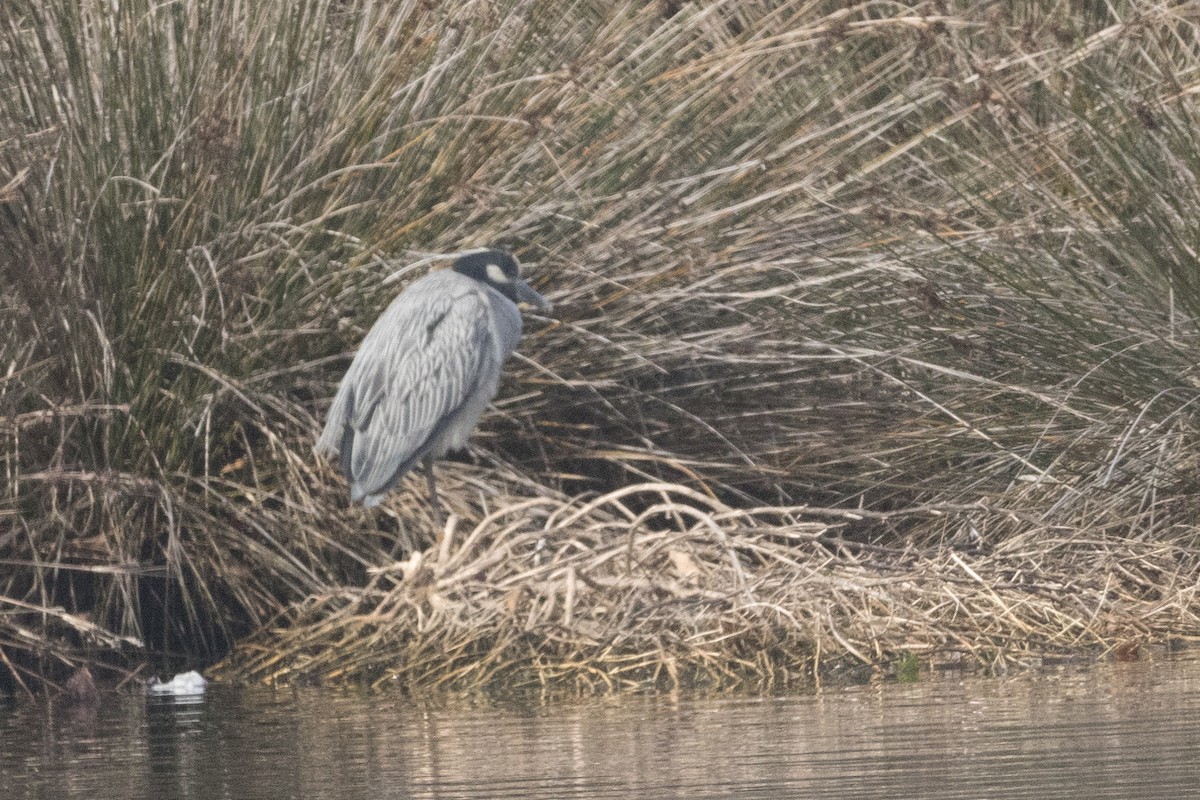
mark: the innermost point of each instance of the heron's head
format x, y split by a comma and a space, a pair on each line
499, 270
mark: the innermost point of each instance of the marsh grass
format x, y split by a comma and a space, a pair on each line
658, 586
923, 273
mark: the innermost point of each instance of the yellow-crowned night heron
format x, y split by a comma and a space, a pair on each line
425, 372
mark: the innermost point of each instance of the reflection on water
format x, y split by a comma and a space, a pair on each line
1114, 730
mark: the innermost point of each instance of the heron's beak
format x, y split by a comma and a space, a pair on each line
527, 294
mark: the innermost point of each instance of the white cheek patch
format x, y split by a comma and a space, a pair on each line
496, 275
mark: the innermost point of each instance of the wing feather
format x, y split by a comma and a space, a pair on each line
422, 360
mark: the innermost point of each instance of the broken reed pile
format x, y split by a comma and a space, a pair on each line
656, 585
933, 264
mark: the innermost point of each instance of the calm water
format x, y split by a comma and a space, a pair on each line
1113, 730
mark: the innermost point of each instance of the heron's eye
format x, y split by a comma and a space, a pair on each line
497, 275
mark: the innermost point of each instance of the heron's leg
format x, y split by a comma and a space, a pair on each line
438, 514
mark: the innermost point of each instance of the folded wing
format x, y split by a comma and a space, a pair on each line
424, 358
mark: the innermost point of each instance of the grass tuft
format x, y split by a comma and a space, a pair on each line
903, 275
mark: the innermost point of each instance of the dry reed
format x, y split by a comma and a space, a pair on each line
655, 585
892, 272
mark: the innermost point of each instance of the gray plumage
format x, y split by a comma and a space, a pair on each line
426, 372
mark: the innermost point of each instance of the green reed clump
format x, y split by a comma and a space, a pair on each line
933, 262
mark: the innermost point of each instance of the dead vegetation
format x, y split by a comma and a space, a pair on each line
584, 596
894, 303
